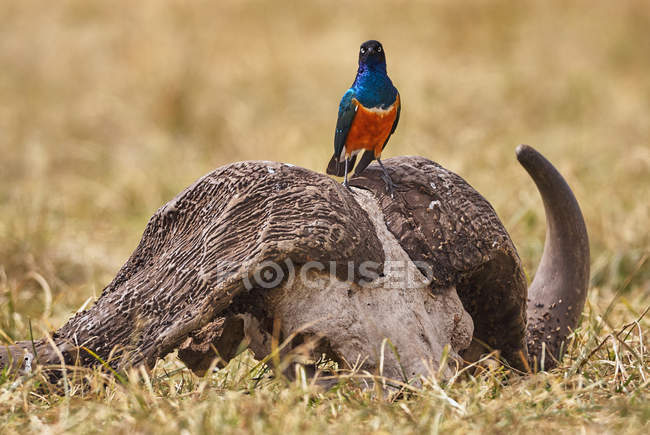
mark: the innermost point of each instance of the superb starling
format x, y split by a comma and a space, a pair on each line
368, 116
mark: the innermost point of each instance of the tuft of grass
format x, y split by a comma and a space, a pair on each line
602, 384
108, 109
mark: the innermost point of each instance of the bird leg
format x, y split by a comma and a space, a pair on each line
345, 178
390, 186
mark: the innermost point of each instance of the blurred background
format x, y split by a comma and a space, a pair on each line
108, 109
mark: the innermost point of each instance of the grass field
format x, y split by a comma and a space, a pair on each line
108, 109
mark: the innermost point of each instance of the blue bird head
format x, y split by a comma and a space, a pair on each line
371, 55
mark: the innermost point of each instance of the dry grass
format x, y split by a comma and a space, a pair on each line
108, 109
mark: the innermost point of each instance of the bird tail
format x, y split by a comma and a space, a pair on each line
366, 159
336, 167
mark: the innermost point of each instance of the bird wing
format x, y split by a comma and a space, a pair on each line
369, 156
399, 110
347, 111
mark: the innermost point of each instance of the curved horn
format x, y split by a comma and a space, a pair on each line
202, 251
557, 295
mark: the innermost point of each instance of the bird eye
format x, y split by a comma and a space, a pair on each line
378, 49
363, 50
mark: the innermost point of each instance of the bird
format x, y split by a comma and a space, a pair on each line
368, 115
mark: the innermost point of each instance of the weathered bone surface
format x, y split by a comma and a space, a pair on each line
441, 221
354, 319
204, 274
349, 321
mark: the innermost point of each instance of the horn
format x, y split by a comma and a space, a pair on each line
558, 292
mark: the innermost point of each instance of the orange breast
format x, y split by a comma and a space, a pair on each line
370, 128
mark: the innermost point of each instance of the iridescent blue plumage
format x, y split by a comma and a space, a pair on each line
372, 86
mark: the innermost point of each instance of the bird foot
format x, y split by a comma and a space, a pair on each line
390, 186
347, 185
